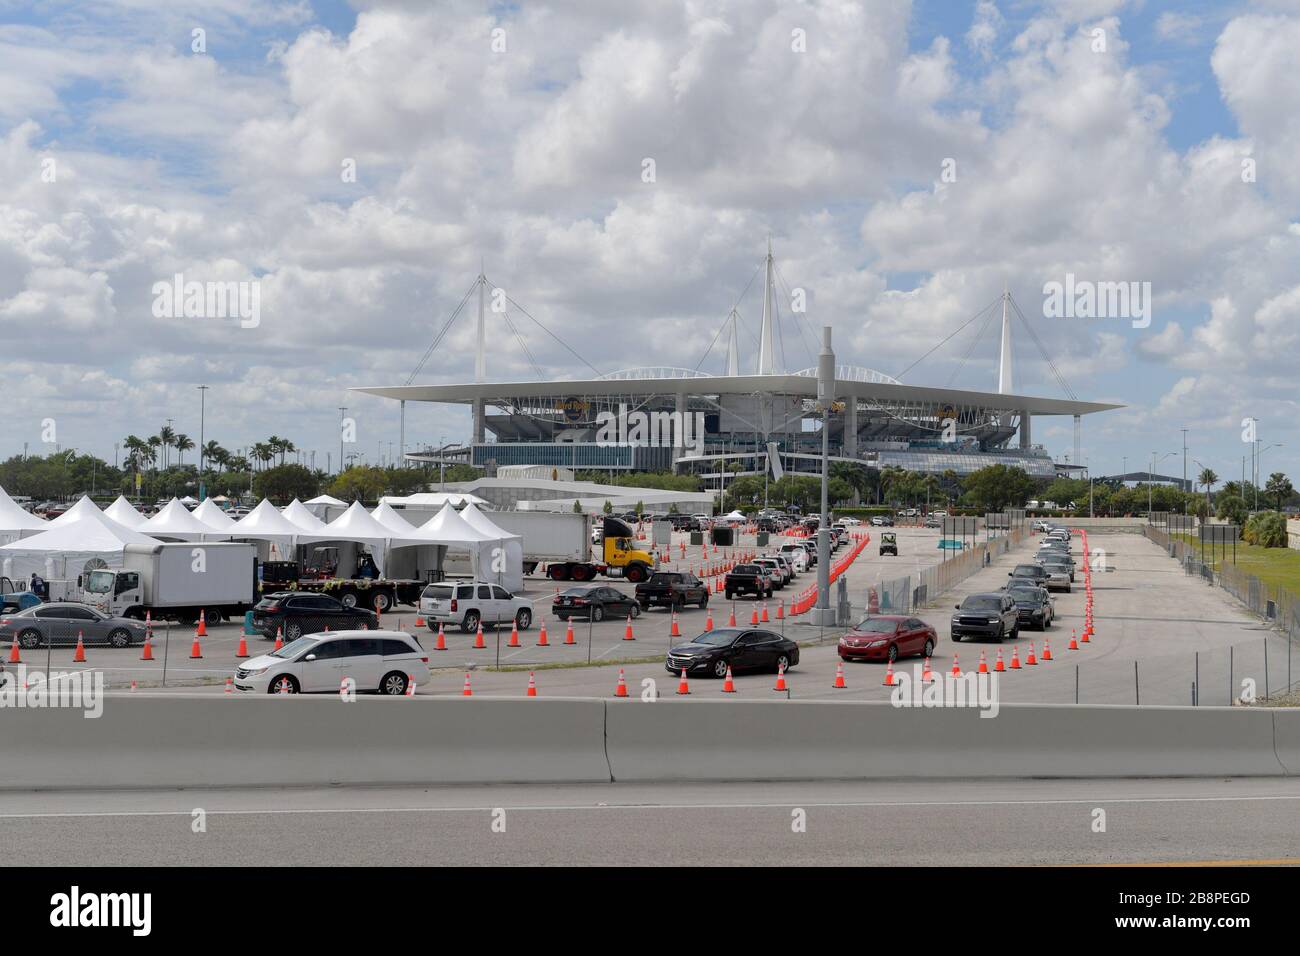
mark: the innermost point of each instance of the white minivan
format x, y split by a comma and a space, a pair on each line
384, 662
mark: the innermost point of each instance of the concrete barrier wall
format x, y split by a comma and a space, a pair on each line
158, 741
736, 740
144, 741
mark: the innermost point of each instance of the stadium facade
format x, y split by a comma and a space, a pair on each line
877, 420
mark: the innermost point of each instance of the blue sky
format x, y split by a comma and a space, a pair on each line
1115, 167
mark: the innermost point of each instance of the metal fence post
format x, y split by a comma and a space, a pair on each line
1137, 688
1076, 683
1266, 668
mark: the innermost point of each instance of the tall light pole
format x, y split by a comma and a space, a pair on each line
203, 407
825, 398
1151, 475
1259, 468
1184, 488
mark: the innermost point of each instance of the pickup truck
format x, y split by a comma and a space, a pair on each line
674, 589
986, 615
748, 579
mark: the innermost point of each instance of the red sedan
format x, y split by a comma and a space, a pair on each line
887, 637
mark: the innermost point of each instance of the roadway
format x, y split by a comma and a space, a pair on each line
890, 823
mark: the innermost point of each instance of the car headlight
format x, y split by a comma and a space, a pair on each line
994, 620
253, 672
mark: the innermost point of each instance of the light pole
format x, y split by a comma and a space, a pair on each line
825, 398
1201, 465
1184, 488
1259, 468
1151, 474
203, 407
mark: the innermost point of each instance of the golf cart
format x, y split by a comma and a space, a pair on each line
889, 543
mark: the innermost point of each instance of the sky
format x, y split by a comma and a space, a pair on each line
618, 170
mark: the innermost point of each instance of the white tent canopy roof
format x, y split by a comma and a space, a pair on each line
125, 513
448, 527
83, 507
265, 523
95, 532
212, 516
482, 523
327, 500
176, 521
14, 518
434, 499
390, 519
357, 524
297, 513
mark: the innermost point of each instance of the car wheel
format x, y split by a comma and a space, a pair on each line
524, 619
704, 602
598, 613
1015, 633
635, 610
470, 622
348, 599
635, 574
393, 684
728, 595
284, 684
783, 662
29, 639
1002, 633
293, 630
893, 653
720, 668
120, 638
213, 615
929, 647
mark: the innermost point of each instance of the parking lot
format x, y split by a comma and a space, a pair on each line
1147, 613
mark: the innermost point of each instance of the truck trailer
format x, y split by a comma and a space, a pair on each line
177, 581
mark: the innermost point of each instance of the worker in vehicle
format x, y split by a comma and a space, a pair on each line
366, 566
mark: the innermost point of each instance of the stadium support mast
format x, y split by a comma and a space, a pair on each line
766, 351
1005, 385
480, 332
733, 346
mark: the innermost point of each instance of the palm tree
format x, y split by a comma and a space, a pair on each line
213, 452
1209, 479
168, 438
262, 452
155, 442
1280, 485
137, 451
183, 444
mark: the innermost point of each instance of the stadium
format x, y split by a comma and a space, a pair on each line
876, 420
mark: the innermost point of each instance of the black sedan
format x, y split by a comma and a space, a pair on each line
595, 601
61, 623
295, 613
744, 648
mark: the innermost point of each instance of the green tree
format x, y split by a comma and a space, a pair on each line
1279, 486
1267, 529
283, 483
182, 444
997, 486
359, 483
1231, 508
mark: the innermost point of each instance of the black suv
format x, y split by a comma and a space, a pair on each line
748, 579
295, 613
1033, 605
986, 615
675, 589
1034, 574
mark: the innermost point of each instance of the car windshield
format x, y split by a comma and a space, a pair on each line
1026, 595
294, 648
876, 625
719, 638
977, 602
577, 592
663, 578
1026, 570
746, 569
100, 582
438, 592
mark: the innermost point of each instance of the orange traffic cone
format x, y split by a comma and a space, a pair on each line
80, 655
708, 623
541, 637
1015, 659
780, 677
753, 616
1086, 638
956, 668
621, 689
1030, 659
419, 620
1047, 650
675, 631
927, 675
764, 618
14, 657
889, 674
568, 634
998, 666
242, 649
731, 620
279, 638
1074, 643
839, 677
514, 636
203, 626
133, 686
410, 685
146, 653
478, 638
532, 685
230, 685
682, 686
627, 631
984, 665
441, 643
728, 685
780, 610
465, 691
196, 652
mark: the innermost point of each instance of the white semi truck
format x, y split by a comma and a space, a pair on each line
177, 581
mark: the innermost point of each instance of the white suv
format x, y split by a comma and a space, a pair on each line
798, 556
471, 603
382, 661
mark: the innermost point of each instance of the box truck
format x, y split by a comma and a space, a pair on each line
177, 581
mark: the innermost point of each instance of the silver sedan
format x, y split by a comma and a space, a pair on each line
62, 622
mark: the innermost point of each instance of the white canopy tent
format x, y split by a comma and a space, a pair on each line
265, 523
298, 513
390, 519
125, 513
83, 507
177, 522
17, 522
512, 545
327, 500
212, 516
322, 506
433, 499
62, 553
358, 526
189, 500
489, 560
